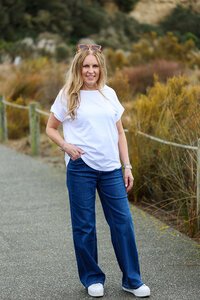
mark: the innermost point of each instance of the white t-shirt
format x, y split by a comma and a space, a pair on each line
94, 128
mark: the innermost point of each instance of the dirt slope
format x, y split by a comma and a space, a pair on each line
153, 11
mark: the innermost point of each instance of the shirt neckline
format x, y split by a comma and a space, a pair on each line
93, 90
89, 90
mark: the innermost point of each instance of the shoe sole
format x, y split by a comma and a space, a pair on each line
96, 295
144, 296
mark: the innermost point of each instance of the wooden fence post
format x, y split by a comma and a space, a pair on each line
34, 125
198, 184
3, 121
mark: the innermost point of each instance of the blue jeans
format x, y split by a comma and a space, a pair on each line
82, 182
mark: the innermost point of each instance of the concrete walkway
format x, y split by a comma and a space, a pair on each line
36, 250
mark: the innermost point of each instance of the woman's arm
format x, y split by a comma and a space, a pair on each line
123, 151
52, 131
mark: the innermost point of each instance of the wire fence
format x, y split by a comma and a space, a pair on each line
34, 127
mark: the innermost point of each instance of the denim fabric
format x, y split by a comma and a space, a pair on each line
82, 183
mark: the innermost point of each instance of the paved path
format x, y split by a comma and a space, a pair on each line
36, 250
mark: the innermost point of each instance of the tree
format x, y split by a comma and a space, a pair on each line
86, 19
11, 16
182, 21
126, 5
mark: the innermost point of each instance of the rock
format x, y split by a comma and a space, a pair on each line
154, 11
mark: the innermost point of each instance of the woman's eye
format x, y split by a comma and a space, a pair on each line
87, 66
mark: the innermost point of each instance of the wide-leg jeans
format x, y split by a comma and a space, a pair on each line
82, 183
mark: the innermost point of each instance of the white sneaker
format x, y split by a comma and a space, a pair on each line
142, 291
96, 290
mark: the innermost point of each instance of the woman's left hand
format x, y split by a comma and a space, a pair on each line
128, 179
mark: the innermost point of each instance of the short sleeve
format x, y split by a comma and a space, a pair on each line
118, 108
59, 107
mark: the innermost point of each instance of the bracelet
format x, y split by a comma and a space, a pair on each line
62, 146
127, 166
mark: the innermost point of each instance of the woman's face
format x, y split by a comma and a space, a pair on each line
90, 72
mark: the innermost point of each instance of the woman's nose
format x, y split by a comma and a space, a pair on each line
91, 69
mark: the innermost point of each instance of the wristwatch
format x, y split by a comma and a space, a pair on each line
127, 166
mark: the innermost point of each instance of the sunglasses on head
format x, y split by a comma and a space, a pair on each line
85, 47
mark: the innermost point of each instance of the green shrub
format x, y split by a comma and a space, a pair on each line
120, 32
183, 21
126, 5
62, 52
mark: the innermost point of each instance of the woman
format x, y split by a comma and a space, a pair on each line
94, 142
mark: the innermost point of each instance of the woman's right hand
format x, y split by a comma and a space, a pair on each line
73, 151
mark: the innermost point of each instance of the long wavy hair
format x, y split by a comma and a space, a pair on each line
74, 80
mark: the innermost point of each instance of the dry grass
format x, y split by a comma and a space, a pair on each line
36, 80
164, 174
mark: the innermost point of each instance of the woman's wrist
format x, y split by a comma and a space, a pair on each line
63, 146
127, 166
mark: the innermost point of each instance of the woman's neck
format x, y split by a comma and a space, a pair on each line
88, 87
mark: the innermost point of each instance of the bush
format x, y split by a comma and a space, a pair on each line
18, 120
62, 52
168, 47
119, 82
142, 77
121, 31
127, 5
38, 80
165, 175
183, 21
115, 60
86, 19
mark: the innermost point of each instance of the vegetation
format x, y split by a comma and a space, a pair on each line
130, 81
73, 20
70, 19
151, 47
127, 5
37, 79
34, 80
18, 120
184, 22
165, 176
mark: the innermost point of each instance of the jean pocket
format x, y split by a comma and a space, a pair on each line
76, 165
78, 159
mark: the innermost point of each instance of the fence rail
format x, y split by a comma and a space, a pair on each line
14, 105
34, 126
167, 142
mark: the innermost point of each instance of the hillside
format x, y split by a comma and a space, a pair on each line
54, 27
153, 11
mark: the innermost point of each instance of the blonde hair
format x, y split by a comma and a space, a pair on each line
74, 80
